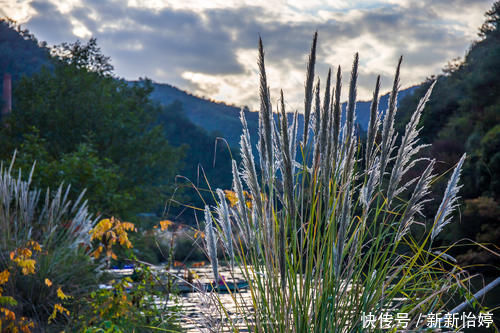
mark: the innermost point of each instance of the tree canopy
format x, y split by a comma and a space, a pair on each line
88, 128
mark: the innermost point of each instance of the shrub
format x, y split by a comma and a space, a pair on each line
49, 235
327, 235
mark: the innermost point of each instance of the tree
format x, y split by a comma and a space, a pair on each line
80, 114
490, 26
86, 56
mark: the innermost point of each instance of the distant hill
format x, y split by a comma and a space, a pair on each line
219, 118
223, 119
21, 53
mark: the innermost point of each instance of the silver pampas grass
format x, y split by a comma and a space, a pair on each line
313, 236
449, 202
211, 242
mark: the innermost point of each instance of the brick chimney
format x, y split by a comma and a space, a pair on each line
7, 94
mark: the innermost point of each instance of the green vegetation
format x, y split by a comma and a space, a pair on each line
44, 236
89, 129
329, 236
463, 115
92, 131
326, 228
52, 254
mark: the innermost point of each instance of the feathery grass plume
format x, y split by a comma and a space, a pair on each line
345, 218
242, 210
211, 241
317, 120
309, 87
317, 109
23, 216
351, 105
286, 169
225, 222
388, 137
261, 149
267, 116
287, 189
338, 223
416, 203
249, 172
336, 114
366, 193
449, 201
409, 147
329, 147
325, 121
294, 141
372, 126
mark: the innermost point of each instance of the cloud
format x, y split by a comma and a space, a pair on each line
209, 47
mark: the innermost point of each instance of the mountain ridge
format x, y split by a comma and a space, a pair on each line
223, 119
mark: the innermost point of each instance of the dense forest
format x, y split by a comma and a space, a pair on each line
463, 115
85, 127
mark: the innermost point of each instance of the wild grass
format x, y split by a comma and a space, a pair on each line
335, 231
61, 228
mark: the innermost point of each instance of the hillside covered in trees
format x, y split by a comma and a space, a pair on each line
463, 115
87, 128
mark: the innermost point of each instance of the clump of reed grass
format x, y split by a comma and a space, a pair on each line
60, 226
328, 237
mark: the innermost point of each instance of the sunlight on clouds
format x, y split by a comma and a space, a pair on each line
194, 5
67, 5
332, 4
80, 30
20, 11
148, 4
428, 32
241, 89
227, 88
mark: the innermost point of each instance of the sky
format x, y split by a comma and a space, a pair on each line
209, 48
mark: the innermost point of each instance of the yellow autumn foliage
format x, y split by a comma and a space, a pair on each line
58, 308
109, 232
233, 199
165, 224
22, 258
4, 276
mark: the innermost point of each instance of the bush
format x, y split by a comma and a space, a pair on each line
45, 237
328, 232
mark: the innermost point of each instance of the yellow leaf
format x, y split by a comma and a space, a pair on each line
27, 265
8, 314
249, 204
35, 246
26, 325
231, 196
199, 233
97, 252
61, 295
24, 252
165, 224
128, 226
58, 308
4, 276
48, 282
